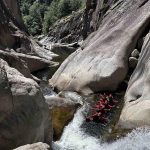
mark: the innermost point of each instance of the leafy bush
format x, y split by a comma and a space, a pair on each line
33, 21
51, 15
64, 7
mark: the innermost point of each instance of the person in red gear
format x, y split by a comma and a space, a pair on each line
101, 104
96, 117
103, 119
112, 100
88, 119
102, 108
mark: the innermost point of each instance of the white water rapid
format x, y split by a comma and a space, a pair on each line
74, 138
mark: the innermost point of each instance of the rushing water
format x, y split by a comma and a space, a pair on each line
74, 138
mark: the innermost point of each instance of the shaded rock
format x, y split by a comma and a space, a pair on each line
63, 112
94, 13
25, 117
14, 8
135, 53
35, 63
133, 62
36, 79
140, 43
102, 64
63, 51
35, 146
6, 106
136, 109
26, 64
15, 62
47, 73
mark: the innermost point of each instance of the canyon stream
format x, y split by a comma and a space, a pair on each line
75, 138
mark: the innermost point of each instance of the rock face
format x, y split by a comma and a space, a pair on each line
94, 13
68, 29
25, 117
102, 63
136, 110
13, 35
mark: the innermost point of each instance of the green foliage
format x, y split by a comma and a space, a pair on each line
34, 18
51, 15
38, 15
64, 7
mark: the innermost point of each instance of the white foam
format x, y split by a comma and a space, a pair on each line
138, 139
74, 138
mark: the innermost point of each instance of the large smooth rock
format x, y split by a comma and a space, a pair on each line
102, 64
136, 109
25, 117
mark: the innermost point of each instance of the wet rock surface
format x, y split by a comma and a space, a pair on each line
63, 109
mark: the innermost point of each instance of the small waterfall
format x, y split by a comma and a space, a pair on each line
74, 138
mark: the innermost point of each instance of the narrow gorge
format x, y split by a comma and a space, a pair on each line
84, 85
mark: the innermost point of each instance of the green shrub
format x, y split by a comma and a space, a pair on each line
40, 15
35, 17
64, 7
51, 15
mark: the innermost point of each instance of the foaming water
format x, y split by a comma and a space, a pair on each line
138, 139
74, 138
